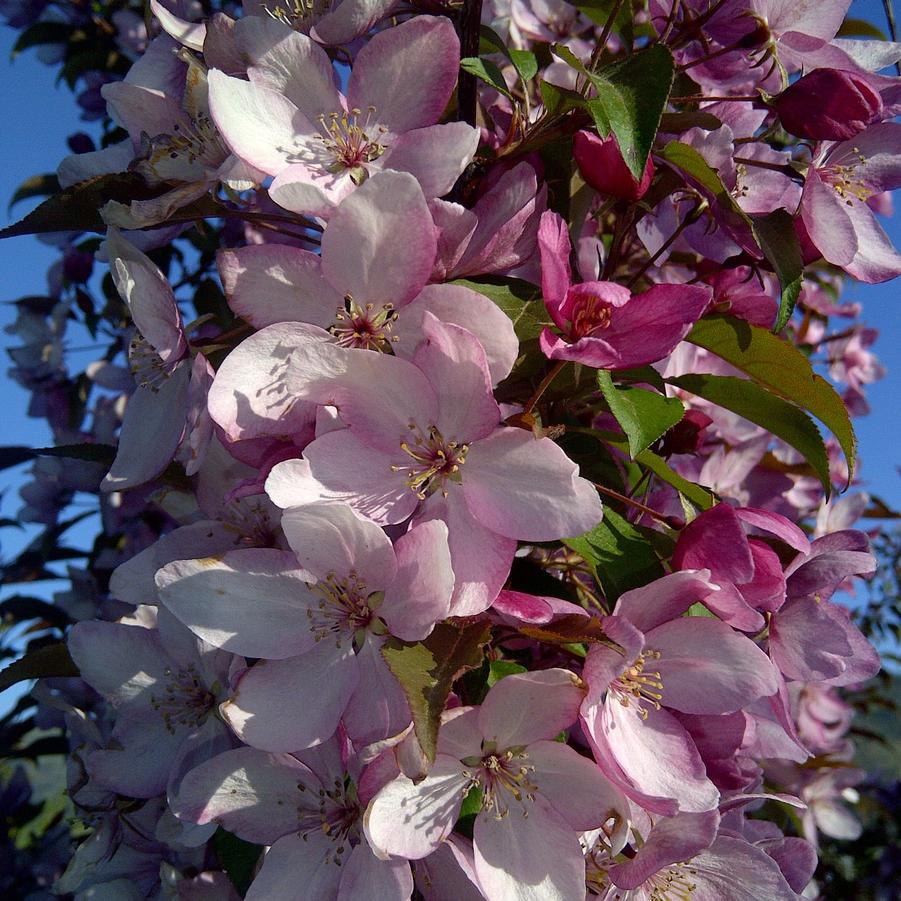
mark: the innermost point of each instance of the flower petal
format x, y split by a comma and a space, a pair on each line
436, 155
250, 601
295, 703
297, 868
380, 243
268, 283
525, 858
407, 73
332, 538
525, 487
249, 397
469, 309
408, 819
707, 667
528, 707
251, 793
454, 363
420, 594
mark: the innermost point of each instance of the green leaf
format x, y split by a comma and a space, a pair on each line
490, 41
525, 62
558, 101
633, 93
776, 235
499, 669
237, 857
487, 71
520, 300
78, 208
47, 660
619, 554
426, 671
780, 366
36, 186
92, 453
691, 163
700, 497
42, 33
758, 405
644, 415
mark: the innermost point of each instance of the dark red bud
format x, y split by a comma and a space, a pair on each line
603, 167
828, 105
77, 267
687, 435
80, 142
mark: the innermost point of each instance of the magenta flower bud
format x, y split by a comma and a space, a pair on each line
77, 267
828, 105
603, 167
686, 436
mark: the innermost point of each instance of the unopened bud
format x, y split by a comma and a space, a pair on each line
828, 105
687, 435
603, 167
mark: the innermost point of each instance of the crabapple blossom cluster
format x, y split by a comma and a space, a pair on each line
466, 529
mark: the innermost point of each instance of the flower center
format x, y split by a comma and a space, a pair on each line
590, 314
366, 327
337, 817
343, 609
435, 460
845, 182
672, 884
147, 365
298, 14
186, 701
504, 778
351, 141
639, 687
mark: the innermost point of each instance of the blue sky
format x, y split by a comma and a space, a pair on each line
38, 116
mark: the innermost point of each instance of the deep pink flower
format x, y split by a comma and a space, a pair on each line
603, 324
694, 665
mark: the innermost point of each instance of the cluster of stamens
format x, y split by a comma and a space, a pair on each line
635, 685
299, 14
435, 460
590, 314
186, 701
845, 181
503, 777
343, 608
672, 884
146, 364
346, 138
367, 327
337, 817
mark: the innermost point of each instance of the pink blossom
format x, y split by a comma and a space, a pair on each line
290, 120
834, 209
695, 665
424, 438
603, 324
318, 623
536, 794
